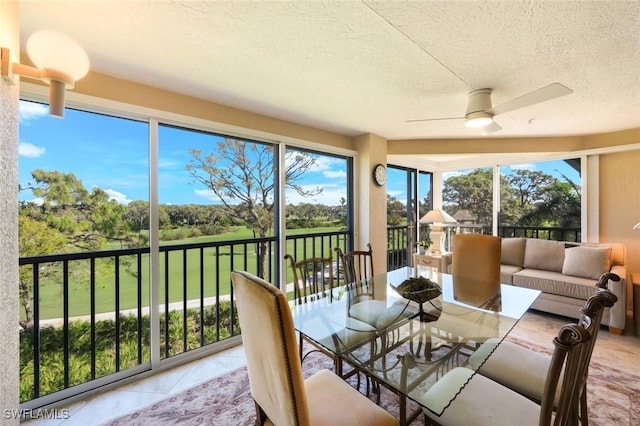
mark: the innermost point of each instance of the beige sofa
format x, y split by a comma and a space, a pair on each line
566, 273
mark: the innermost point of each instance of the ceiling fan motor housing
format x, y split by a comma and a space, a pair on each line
479, 101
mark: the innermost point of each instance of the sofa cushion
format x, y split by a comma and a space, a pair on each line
512, 252
544, 254
555, 283
506, 273
587, 262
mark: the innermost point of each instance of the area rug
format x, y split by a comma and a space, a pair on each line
614, 399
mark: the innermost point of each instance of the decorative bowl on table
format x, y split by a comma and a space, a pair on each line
418, 289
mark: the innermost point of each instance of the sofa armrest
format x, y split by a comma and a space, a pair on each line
618, 313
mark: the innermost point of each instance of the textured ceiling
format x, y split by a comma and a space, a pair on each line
367, 67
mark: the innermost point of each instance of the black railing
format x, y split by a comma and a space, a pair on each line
399, 243
90, 310
541, 232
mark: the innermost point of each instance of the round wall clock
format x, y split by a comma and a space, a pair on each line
380, 174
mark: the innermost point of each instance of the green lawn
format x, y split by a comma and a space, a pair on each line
216, 272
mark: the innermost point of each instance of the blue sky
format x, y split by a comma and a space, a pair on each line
112, 154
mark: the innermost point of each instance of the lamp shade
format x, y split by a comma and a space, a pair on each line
437, 216
636, 226
52, 50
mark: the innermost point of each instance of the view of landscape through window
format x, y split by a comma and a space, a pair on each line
84, 188
85, 231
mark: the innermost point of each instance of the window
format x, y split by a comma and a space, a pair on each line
541, 200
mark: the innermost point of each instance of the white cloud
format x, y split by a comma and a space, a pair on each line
206, 193
335, 174
525, 166
30, 150
447, 175
330, 195
38, 201
31, 111
118, 196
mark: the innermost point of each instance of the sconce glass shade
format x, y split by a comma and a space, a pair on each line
437, 216
55, 51
636, 227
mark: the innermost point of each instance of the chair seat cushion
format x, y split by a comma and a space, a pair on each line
518, 368
332, 401
481, 402
378, 314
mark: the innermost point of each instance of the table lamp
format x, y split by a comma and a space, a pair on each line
437, 219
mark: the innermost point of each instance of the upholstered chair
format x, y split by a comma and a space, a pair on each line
281, 395
525, 370
475, 268
483, 401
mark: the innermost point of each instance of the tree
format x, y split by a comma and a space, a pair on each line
396, 212
473, 192
88, 219
67, 217
138, 215
529, 186
35, 238
241, 175
560, 205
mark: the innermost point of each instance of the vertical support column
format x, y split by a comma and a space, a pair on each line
9, 119
154, 245
590, 198
496, 200
371, 200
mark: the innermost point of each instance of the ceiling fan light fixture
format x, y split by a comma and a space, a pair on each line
479, 119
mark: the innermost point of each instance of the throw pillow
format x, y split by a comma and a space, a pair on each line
587, 262
544, 255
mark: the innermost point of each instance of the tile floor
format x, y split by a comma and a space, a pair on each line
106, 406
620, 351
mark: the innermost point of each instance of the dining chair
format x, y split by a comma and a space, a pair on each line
524, 370
363, 304
475, 267
313, 279
357, 265
282, 397
482, 401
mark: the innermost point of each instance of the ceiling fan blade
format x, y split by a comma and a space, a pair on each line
434, 119
490, 128
552, 91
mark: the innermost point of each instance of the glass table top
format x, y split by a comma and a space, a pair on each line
406, 345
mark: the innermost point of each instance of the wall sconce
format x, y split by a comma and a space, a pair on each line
59, 61
636, 226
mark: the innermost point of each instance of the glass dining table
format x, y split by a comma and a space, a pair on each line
407, 343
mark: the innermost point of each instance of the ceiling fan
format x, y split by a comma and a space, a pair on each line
480, 112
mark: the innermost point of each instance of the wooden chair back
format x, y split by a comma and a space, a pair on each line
357, 265
569, 361
313, 278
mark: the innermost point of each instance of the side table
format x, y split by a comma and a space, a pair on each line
428, 260
635, 280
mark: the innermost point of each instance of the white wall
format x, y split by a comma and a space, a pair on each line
9, 350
